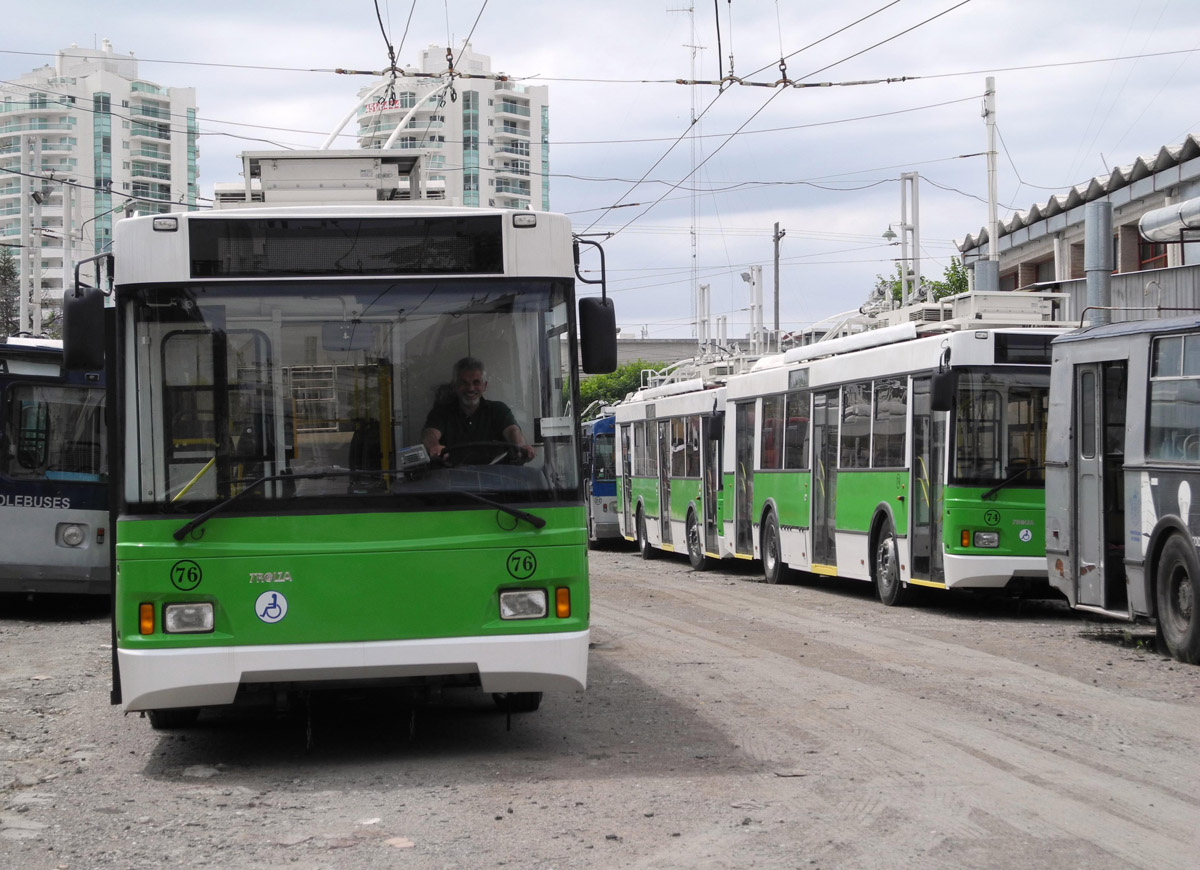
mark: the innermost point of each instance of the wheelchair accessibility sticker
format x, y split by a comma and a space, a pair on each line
271, 607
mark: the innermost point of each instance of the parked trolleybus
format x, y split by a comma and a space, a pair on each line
905, 455
281, 525
600, 478
1123, 474
53, 473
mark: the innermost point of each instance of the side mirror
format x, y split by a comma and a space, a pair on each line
717, 429
942, 390
598, 335
83, 330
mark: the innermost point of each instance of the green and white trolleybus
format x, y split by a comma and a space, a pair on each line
280, 525
907, 455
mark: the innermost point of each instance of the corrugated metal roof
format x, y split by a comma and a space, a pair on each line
1099, 187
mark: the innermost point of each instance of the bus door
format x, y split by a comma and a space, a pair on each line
743, 446
664, 480
925, 484
1099, 484
627, 480
825, 460
710, 438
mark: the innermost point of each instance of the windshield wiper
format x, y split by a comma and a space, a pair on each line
180, 533
995, 489
535, 521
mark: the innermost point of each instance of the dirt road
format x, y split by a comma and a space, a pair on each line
727, 724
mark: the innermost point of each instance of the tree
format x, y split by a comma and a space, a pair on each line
954, 280
615, 386
10, 292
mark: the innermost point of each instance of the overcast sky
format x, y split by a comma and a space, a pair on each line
823, 162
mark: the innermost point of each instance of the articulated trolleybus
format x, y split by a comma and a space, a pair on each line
1123, 475
53, 472
909, 454
281, 527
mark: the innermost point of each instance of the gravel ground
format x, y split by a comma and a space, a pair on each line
727, 724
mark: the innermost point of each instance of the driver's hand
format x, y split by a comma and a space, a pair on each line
527, 452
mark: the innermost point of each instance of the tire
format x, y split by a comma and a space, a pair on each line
885, 565
517, 702
643, 542
173, 717
1178, 594
695, 546
772, 551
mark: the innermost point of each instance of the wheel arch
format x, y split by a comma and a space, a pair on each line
769, 509
1164, 529
882, 513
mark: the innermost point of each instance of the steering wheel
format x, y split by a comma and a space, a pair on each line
502, 452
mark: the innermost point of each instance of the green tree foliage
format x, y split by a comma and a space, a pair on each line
614, 387
954, 280
10, 290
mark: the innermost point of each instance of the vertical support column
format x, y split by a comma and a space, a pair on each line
1098, 260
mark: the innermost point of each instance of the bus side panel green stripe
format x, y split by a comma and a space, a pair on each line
859, 493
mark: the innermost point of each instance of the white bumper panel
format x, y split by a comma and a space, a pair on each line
991, 572
157, 679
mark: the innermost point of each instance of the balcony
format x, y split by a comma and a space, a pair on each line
146, 88
507, 129
151, 131
508, 107
39, 124
517, 167
146, 110
519, 148
150, 153
146, 170
512, 188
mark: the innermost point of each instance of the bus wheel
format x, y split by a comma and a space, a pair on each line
1178, 593
643, 542
772, 557
887, 567
694, 544
517, 702
173, 717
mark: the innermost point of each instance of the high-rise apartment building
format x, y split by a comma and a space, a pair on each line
487, 145
81, 142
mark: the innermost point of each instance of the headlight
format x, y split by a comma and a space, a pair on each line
987, 539
523, 604
191, 618
71, 534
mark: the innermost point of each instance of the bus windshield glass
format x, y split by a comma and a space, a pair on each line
604, 460
54, 433
1000, 427
326, 388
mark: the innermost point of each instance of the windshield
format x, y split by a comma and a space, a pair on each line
604, 458
1000, 426
54, 433
238, 381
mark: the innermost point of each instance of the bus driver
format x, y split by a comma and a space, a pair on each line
470, 418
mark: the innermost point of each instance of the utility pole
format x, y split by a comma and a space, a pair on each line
777, 238
693, 131
989, 115
910, 232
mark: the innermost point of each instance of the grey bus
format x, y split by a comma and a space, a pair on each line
1122, 463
